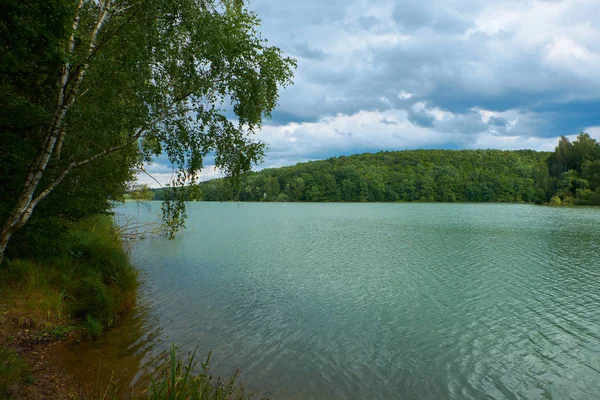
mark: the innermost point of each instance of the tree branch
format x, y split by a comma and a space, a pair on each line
151, 176
77, 164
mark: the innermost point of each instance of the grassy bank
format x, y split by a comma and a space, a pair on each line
80, 289
89, 282
78, 292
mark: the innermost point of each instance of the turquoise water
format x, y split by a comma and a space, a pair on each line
382, 301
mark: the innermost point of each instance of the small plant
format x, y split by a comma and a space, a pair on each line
93, 327
61, 331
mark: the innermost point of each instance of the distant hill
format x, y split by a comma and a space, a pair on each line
412, 175
568, 176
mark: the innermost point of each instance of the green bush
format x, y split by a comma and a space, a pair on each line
555, 201
40, 239
568, 201
588, 197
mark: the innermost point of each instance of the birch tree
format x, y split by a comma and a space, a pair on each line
138, 78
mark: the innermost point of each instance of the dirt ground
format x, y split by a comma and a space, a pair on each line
34, 338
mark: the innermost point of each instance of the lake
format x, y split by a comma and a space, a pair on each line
379, 301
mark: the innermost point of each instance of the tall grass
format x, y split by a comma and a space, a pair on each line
178, 382
13, 372
105, 282
90, 279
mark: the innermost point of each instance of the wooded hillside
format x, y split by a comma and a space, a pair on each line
569, 175
419, 175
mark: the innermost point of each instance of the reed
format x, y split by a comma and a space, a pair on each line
178, 381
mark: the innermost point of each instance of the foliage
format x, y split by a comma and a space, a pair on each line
575, 172
139, 192
419, 175
555, 201
568, 176
187, 193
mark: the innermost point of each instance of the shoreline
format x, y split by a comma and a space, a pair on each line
55, 313
67, 297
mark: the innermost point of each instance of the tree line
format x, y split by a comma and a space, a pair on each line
570, 175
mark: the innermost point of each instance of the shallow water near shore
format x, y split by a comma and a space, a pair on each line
411, 301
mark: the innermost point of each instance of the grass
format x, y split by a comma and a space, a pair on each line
83, 287
14, 372
177, 381
90, 280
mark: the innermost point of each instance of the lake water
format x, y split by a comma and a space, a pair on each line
380, 301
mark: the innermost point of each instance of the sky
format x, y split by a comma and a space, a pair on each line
433, 74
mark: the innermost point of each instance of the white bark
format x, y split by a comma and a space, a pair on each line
56, 134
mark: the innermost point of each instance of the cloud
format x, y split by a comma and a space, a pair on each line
160, 179
305, 51
396, 130
435, 15
390, 75
421, 117
501, 55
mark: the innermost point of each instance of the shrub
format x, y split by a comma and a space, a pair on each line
568, 201
555, 201
587, 197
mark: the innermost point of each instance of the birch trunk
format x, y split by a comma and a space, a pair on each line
55, 134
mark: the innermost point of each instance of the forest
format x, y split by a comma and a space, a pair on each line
569, 175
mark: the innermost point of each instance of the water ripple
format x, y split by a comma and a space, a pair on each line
382, 301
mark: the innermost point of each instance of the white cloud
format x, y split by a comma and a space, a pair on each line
390, 75
594, 132
392, 130
503, 142
157, 179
